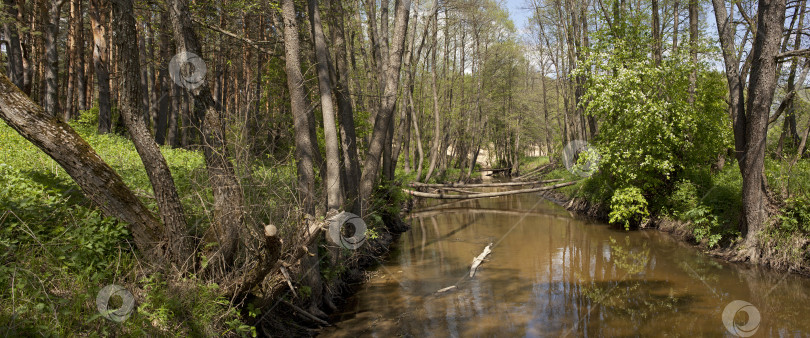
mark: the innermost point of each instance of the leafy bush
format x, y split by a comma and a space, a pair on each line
628, 207
795, 216
705, 225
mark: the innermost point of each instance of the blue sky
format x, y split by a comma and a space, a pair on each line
518, 13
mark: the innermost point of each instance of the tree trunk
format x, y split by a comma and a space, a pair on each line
371, 169
50, 101
228, 220
676, 17
72, 54
348, 136
656, 34
693, 47
303, 143
334, 196
165, 99
15, 57
98, 21
171, 210
81, 79
434, 147
770, 18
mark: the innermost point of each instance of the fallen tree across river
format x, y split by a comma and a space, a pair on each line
486, 194
480, 185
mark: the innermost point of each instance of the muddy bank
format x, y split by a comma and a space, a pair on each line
341, 269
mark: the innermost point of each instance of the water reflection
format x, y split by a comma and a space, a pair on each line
550, 275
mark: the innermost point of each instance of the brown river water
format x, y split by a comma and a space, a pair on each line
552, 274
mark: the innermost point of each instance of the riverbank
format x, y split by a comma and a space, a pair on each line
683, 231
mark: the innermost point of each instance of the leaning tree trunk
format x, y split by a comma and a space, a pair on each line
171, 210
96, 179
228, 219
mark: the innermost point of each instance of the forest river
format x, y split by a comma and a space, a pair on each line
553, 274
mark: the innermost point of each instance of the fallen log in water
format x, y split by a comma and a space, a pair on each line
486, 194
535, 171
480, 185
477, 260
458, 190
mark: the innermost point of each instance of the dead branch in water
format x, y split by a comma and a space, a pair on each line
477, 260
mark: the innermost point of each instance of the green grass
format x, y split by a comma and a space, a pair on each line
57, 250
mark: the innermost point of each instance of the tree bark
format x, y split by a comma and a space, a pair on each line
165, 99
770, 18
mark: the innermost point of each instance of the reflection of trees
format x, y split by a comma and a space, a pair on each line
633, 260
633, 302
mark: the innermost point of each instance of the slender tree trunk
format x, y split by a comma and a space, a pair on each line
50, 101
163, 78
656, 34
348, 135
333, 188
693, 37
371, 169
303, 143
676, 17
72, 52
434, 147
98, 20
15, 56
81, 78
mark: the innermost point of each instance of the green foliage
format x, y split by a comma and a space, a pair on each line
795, 217
628, 207
57, 250
705, 225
